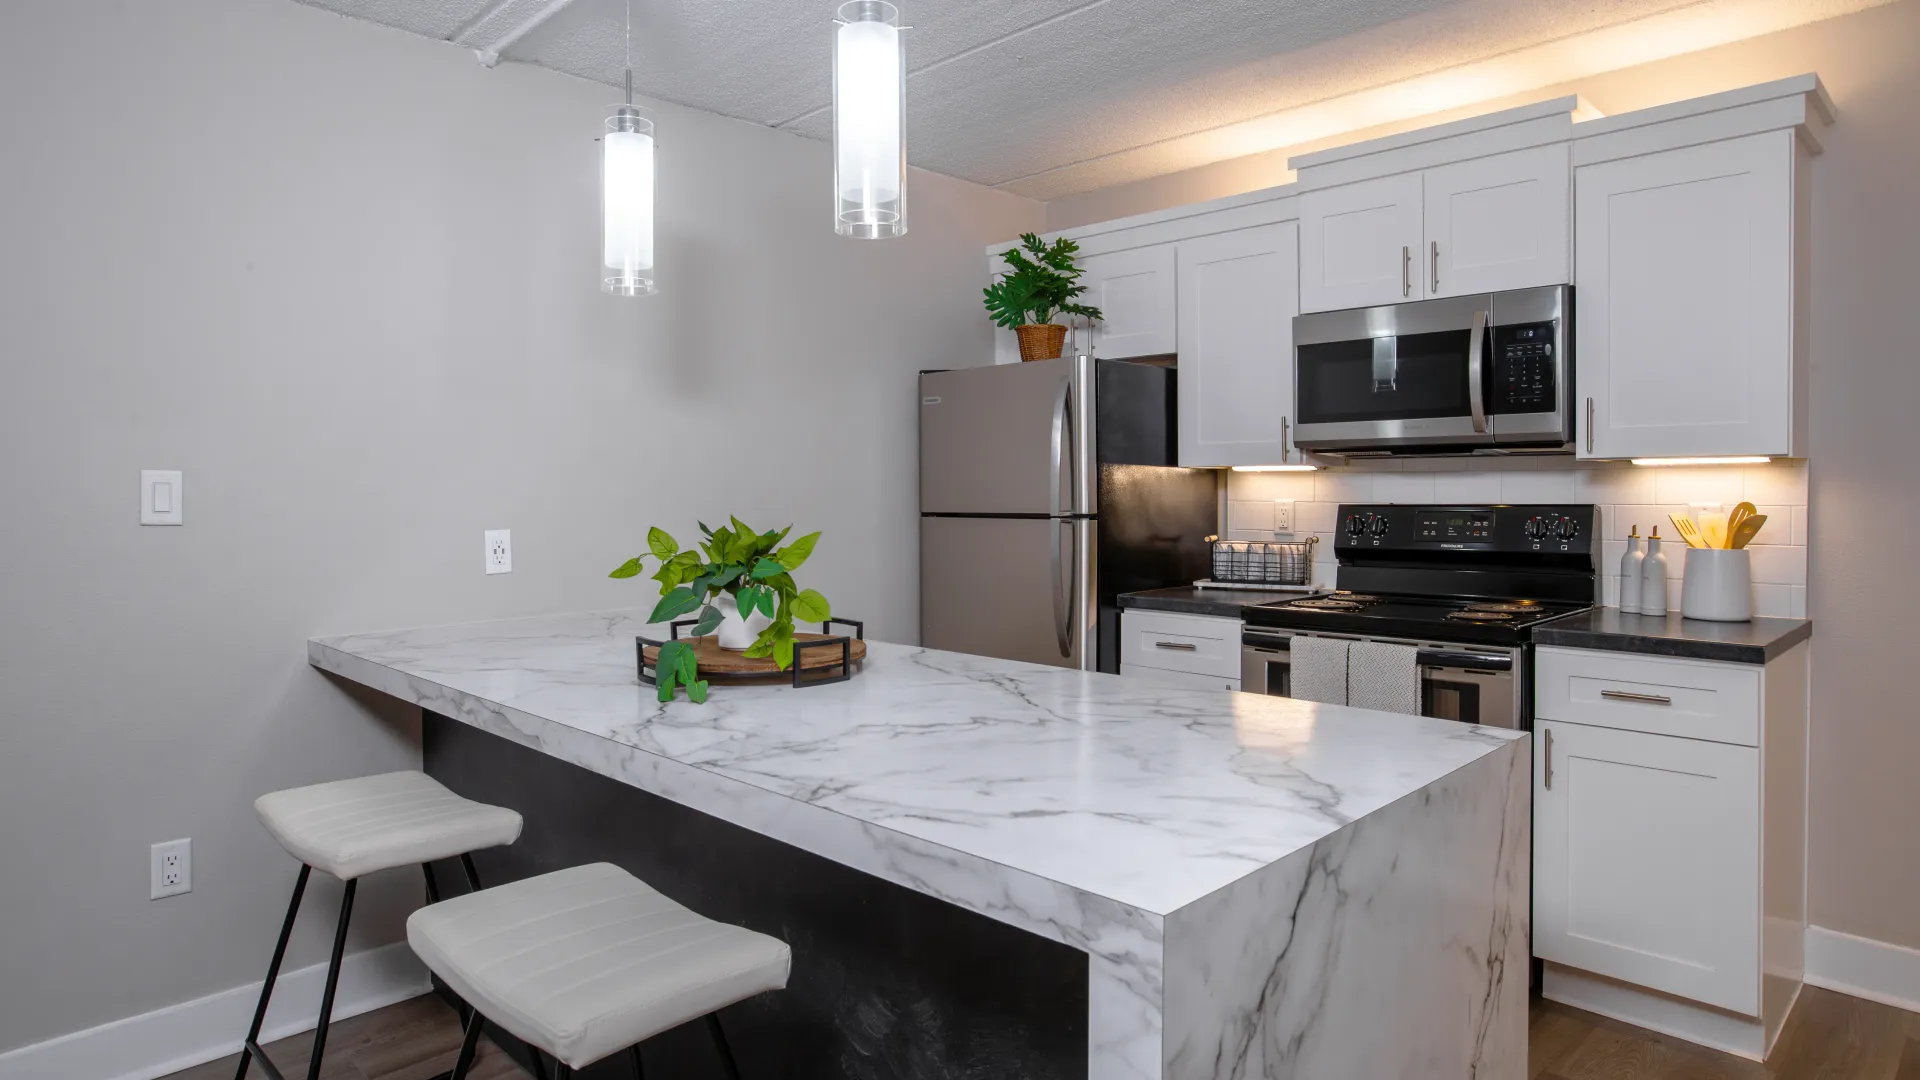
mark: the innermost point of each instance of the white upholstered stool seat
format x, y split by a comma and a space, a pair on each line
585, 962
351, 828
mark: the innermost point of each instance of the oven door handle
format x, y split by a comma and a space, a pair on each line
1477, 372
1479, 661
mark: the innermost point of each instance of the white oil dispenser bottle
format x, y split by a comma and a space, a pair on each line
1630, 564
1653, 578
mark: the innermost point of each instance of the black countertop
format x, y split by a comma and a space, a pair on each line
1225, 603
1614, 630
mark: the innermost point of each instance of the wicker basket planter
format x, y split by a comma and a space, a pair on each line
1041, 341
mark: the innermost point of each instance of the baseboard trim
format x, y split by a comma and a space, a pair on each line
191, 1033
1650, 1009
1876, 970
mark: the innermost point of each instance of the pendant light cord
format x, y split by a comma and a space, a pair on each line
629, 52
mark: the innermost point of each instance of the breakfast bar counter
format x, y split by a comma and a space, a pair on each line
1178, 883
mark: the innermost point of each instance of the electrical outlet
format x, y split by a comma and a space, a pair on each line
171, 869
499, 551
1283, 515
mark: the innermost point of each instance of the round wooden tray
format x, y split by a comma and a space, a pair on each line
725, 665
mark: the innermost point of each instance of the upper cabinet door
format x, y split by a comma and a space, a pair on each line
1239, 292
1502, 222
1646, 860
1360, 244
1685, 298
1134, 289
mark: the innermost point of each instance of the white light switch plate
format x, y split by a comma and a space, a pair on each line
160, 492
499, 551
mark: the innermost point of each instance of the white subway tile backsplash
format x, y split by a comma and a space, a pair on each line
1783, 565
1626, 496
1466, 487
1403, 487
1250, 515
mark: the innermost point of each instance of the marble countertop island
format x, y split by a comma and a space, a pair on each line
1241, 870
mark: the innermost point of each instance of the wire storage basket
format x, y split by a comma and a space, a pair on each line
1263, 562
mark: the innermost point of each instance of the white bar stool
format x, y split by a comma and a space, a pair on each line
585, 962
351, 828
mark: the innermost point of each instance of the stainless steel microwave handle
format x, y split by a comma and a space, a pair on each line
1406, 270
1436, 266
1476, 372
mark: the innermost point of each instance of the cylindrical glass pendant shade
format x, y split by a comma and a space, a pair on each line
626, 203
869, 155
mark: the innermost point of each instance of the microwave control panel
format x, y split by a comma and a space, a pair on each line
1525, 368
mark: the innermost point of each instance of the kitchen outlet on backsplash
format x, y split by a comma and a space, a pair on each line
1627, 495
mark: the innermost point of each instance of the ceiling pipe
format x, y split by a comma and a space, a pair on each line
488, 49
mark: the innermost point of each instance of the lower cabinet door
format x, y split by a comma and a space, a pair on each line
1185, 680
1647, 861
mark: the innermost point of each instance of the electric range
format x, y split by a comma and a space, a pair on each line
1464, 585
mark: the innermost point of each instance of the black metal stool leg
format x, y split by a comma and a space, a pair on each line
333, 982
273, 973
639, 1070
433, 887
469, 1042
473, 876
563, 1071
720, 1040
539, 1063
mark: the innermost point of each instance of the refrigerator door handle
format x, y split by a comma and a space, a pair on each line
1062, 606
1061, 425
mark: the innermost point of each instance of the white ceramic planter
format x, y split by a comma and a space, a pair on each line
735, 632
1718, 586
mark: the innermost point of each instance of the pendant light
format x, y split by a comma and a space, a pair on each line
626, 193
869, 95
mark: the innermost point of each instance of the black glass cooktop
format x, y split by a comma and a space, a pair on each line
1428, 618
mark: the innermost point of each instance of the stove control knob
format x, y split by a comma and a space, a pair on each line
1569, 528
1379, 526
1353, 525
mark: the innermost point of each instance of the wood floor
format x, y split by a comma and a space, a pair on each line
1829, 1037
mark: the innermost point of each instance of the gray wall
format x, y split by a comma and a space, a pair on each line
345, 279
1863, 869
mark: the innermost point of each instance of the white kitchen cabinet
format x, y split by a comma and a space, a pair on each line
1238, 293
1690, 328
1499, 222
1134, 289
1669, 849
1647, 860
1177, 649
1360, 244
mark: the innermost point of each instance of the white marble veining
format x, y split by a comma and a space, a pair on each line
1086, 808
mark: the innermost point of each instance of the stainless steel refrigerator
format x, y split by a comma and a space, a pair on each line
1047, 489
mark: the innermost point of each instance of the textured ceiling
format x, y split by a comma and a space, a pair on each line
1053, 97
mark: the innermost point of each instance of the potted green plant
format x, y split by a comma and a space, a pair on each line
741, 582
1040, 284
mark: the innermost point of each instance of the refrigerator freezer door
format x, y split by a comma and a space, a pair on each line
1004, 440
1015, 588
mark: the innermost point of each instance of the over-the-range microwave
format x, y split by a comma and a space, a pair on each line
1485, 374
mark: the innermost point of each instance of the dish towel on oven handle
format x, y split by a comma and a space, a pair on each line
1318, 669
1384, 676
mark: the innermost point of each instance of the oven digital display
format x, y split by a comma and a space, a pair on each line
1453, 526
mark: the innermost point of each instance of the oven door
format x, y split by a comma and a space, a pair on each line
1408, 375
1471, 684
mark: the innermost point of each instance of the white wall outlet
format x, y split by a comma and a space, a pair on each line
171, 869
160, 491
499, 551
1283, 515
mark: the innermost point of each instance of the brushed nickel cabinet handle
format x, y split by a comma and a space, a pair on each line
1638, 699
1589, 425
1406, 270
1436, 266
1548, 755
1286, 455
1177, 646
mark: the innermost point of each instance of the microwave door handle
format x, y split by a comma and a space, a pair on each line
1476, 372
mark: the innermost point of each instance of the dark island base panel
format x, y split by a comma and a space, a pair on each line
887, 983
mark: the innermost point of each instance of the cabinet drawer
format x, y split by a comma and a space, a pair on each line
1689, 698
1200, 644
1185, 680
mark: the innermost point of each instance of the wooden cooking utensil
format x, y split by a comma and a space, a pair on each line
1748, 528
1685, 528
